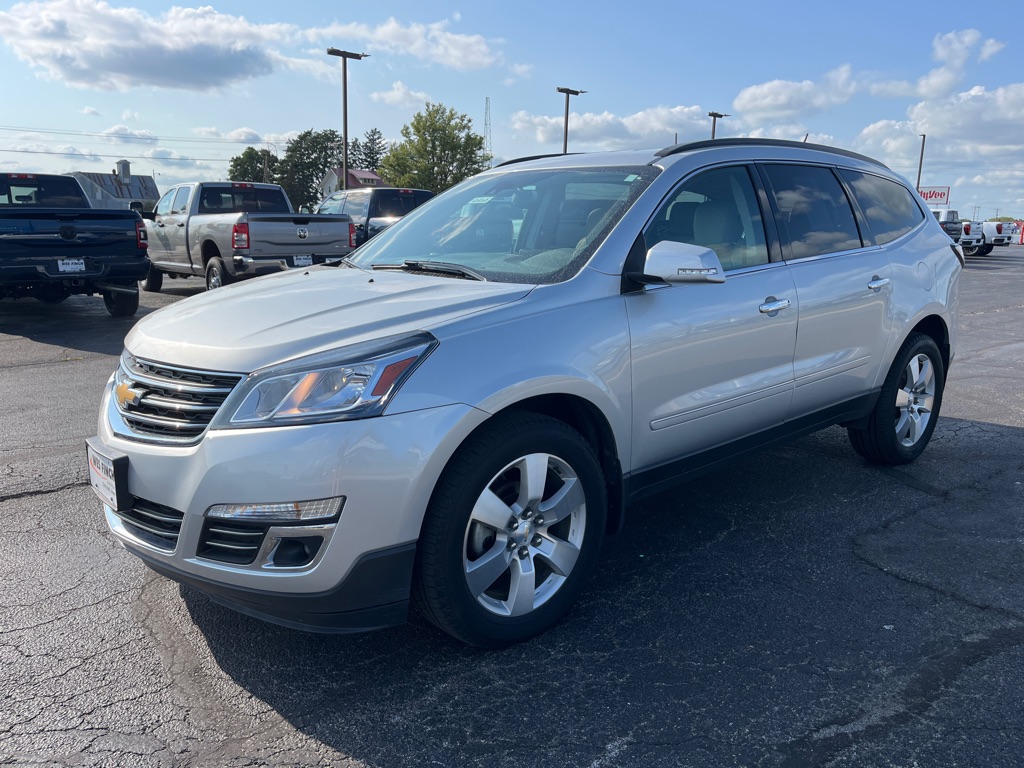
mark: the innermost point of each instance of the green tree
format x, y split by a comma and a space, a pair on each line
373, 150
253, 165
355, 155
438, 150
307, 159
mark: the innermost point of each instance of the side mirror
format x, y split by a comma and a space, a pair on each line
672, 262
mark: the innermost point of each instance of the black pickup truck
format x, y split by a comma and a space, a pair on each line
54, 245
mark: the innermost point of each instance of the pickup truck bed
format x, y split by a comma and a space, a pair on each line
53, 245
229, 230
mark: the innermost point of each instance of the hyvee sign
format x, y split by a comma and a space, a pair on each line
935, 195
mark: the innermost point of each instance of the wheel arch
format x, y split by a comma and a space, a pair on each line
935, 327
209, 251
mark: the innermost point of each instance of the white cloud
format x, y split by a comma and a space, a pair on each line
429, 42
401, 95
788, 99
90, 44
989, 49
91, 111
122, 134
653, 127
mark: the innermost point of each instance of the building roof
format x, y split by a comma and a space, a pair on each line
136, 188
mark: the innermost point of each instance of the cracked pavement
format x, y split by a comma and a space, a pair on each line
798, 608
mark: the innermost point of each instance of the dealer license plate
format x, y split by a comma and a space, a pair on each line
109, 478
71, 265
303, 261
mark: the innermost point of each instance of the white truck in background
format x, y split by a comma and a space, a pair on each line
972, 239
994, 233
227, 230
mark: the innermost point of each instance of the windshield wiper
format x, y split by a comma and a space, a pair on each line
442, 267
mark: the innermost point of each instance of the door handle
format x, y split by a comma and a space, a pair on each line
773, 306
877, 283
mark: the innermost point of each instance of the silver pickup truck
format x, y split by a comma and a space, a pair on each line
228, 230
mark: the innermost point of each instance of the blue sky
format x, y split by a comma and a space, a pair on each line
180, 89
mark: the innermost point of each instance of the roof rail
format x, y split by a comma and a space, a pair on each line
535, 157
676, 149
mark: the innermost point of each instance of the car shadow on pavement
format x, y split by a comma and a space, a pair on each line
741, 618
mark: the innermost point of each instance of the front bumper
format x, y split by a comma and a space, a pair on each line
360, 576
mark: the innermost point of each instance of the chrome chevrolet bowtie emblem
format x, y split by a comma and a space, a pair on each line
302, 232
126, 395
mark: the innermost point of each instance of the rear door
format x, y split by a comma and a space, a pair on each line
842, 280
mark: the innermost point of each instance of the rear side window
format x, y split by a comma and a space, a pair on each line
814, 210
889, 207
180, 204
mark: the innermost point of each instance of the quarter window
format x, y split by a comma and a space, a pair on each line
717, 209
889, 207
815, 212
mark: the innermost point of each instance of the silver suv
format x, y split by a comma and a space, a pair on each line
460, 413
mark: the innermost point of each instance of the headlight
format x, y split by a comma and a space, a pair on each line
350, 383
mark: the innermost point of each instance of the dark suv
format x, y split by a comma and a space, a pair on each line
375, 209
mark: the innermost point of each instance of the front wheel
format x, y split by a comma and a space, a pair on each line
512, 532
216, 275
120, 304
904, 417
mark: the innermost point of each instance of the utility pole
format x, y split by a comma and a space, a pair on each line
920, 162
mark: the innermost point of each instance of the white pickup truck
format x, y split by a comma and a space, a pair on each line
229, 230
994, 233
972, 239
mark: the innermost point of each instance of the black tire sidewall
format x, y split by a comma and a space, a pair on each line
450, 603
892, 451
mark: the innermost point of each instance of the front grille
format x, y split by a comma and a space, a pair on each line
153, 523
227, 541
164, 403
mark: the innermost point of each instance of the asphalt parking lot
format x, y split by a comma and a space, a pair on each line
800, 608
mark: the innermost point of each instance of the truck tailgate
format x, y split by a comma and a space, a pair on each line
51, 233
287, 234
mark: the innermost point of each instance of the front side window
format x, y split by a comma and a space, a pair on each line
514, 226
719, 210
889, 207
333, 204
815, 213
164, 206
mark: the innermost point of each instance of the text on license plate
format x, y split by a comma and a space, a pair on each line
303, 261
71, 265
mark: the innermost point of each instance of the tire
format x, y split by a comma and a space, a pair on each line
121, 304
971, 250
490, 569
985, 250
154, 281
904, 417
216, 275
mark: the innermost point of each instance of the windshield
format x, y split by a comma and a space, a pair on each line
523, 226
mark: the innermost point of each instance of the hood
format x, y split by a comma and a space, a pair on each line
261, 322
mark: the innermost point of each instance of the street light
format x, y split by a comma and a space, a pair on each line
565, 131
714, 121
345, 56
920, 162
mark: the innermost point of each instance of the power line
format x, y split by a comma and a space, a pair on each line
133, 136
151, 158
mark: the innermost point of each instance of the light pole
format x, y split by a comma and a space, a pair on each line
565, 131
920, 162
345, 56
714, 121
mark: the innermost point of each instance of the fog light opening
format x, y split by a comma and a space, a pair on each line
294, 552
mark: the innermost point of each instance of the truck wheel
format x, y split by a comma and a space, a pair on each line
154, 281
512, 532
121, 304
902, 422
971, 250
985, 250
216, 275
